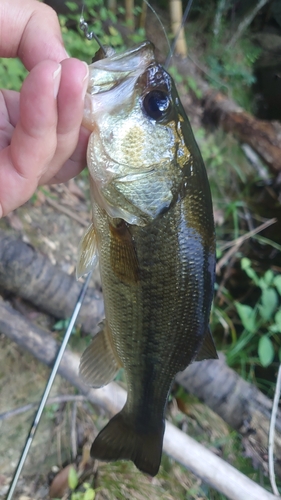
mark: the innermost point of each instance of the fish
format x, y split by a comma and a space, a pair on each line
152, 233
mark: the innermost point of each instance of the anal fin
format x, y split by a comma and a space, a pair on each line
87, 252
208, 348
99, 363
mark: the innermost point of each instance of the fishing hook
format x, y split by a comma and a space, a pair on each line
89, 34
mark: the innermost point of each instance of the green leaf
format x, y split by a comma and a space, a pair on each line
265, 350
278, 319
274, 328
268, 277
113, 31
277, 283
72, 478
59, 325
103, 14
89, 494
246, 265
247, 315
269, 301
76, 496
72, 6
194, 86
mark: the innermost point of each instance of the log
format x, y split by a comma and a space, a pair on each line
202, 462
263, 136
29, 274
239, 403
25, 272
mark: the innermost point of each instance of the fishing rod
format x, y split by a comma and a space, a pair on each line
48, 387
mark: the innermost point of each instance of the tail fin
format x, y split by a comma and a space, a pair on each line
119, 440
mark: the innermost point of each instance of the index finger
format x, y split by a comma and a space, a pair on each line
30, 30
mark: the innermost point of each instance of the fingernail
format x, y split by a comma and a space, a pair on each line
56, 79
85, 80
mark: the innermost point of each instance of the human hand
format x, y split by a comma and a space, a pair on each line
41, 139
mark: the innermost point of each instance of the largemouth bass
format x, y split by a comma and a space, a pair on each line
153, 231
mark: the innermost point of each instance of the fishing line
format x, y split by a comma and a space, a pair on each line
184, 18
48, 387
160, 22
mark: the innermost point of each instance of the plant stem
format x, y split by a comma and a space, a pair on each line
245, 23
272, 433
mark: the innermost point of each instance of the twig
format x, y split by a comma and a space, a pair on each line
235, 244
56, 399
272, 433
218, 16
66, 211
226, 257
59, 454
245, 23
73, 431
245, 236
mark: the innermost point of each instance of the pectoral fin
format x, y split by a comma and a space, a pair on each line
208, 348
99, 363
87, 252
123, 256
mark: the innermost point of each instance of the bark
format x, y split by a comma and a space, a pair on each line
239, 403
177, 28
263, 136
202, 462
130, 18
27, 273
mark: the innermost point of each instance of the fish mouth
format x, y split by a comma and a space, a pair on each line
139, 56
109, 72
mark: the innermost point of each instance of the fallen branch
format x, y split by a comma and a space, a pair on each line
27, 273
235, 244
202, 462
239, 403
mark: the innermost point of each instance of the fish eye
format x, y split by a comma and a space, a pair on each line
156, 104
